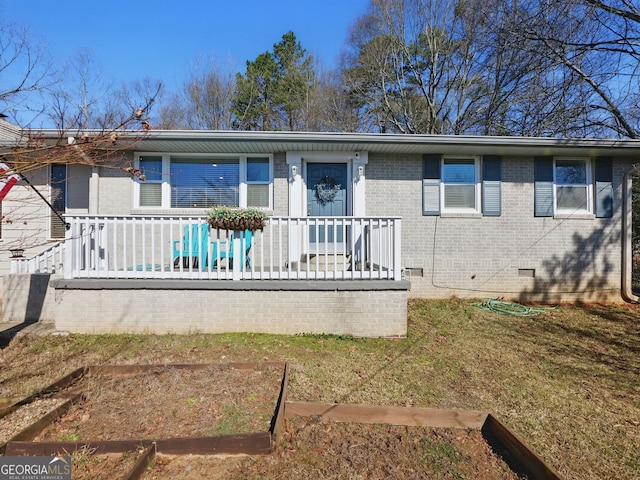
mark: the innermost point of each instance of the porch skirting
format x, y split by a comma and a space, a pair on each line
94, 306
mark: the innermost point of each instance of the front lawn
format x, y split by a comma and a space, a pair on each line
566, 381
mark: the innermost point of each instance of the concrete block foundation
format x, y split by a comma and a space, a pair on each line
358, 308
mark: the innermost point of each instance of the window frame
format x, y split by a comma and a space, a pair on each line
477, 208
166, 177
588, 186
148, 181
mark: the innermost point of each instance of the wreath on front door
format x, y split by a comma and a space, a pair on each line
326, 189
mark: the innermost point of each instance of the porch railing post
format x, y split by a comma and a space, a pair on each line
69, 249
238, 256
397, 250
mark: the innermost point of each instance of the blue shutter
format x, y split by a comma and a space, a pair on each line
491, 186
431, 184
604, 187
543, 186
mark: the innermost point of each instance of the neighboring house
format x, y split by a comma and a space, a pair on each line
359, 223
9, 133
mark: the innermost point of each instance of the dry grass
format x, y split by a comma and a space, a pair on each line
567, 381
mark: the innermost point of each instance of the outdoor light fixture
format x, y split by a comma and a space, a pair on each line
360, 171
294, 172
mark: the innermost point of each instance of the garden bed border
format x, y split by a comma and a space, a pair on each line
504, 443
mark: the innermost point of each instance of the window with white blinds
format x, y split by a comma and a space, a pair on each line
460, 184
572, 182
151, 186
203, 183
197, 181
258, 180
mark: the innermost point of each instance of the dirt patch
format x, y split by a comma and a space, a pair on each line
311, 448
168, 402
102, 467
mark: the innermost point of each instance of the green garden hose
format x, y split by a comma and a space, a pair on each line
510, 308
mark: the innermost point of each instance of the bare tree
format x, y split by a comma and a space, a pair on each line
77, 100
25, 69
329, 109
83, 137
594, 46
416, 66
119, 104
204, 101
505, 67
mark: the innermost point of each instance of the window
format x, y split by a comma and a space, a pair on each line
572, 186
202, 181
151, 187
569, 186
258, 181
459, 185
462, 185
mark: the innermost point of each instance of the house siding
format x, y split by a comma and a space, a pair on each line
25, 218
475, 256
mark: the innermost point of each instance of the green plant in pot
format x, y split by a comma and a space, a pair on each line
232, 218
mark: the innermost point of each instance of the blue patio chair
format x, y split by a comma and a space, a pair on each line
193, 250
246, 237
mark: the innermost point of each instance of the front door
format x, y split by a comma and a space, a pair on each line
326, 197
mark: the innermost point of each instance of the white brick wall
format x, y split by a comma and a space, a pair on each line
476, 257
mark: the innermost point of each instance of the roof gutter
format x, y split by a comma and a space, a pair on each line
627, 236
366, 138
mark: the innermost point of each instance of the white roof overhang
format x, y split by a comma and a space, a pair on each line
207, 141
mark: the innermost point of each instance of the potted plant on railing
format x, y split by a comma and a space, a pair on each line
237, 219
243, 222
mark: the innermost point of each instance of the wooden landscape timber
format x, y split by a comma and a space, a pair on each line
409, 416
503, 442
259, 443
514, 451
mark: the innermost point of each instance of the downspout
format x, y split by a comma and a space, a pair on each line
627, 227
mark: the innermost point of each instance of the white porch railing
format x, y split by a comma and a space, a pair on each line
289, 248
49, 261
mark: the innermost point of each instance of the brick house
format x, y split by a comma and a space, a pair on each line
359, 223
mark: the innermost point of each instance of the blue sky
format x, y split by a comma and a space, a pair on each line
161, 39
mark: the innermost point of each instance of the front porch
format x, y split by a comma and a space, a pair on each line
289, 248
331, 275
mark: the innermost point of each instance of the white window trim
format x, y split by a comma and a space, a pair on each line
478, 184
166, 176
588, 185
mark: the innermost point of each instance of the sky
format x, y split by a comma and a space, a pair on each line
161, 39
